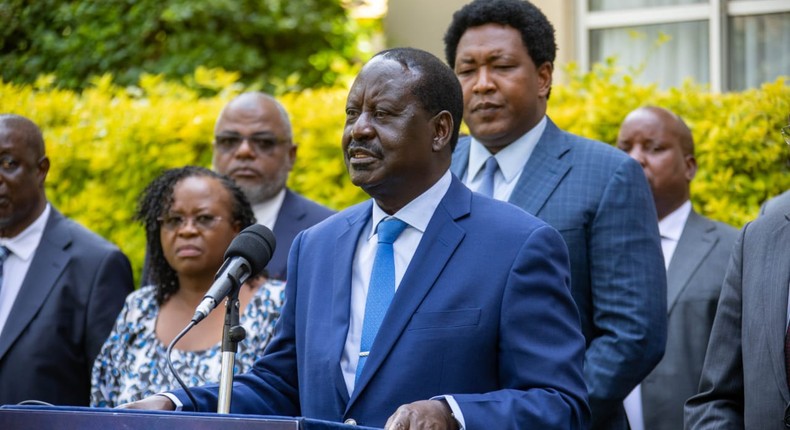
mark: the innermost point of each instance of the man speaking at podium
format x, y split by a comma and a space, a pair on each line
428, 306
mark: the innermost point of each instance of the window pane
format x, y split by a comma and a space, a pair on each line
682, 54
758, 47
600, 5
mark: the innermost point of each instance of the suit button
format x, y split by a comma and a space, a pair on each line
350, 422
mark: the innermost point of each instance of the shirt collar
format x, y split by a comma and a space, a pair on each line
671, 227
25, 243
266, 212
418, 212
512, 158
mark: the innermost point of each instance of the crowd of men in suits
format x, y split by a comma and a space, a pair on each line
540, 300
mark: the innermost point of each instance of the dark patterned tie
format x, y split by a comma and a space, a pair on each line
381, 288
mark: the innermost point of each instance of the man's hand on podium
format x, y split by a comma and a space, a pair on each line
423, 414
155, 402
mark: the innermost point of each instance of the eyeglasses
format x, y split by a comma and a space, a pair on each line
177, 222
262, 144
786, 134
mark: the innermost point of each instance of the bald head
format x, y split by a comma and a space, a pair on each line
674, 124
255, 104
27, 132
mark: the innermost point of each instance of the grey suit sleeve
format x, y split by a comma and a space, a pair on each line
719, 404
629, 292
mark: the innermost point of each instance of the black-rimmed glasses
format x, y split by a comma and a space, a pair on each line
262, 144
177, 222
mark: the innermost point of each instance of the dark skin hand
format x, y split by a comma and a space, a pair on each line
423, 415
155, 403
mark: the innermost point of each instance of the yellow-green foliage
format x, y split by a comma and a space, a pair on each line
741, 155
107, 143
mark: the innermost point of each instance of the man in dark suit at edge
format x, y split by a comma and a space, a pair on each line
62, 285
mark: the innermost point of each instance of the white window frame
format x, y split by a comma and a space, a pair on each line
716, 12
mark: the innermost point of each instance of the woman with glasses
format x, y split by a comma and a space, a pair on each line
190, 215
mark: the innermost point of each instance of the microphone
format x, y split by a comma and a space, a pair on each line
248, 253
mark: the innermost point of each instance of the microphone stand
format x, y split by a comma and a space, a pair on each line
232, 334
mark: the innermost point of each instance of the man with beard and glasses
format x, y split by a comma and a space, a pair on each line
253, 144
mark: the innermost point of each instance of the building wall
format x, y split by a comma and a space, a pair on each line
422, 23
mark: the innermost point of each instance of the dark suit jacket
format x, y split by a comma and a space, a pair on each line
694, 280
599, 200
483, 313
73, 291
296, 214
743, 383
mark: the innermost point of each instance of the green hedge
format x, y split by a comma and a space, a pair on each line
108, 142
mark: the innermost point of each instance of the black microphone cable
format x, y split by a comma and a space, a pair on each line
173, 369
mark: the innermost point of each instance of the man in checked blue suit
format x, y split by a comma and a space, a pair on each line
482, 331
596, 196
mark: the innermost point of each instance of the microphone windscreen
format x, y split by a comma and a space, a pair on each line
255, 244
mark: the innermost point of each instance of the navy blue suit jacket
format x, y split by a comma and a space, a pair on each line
73, 291
483, 313
296, 214
599, 200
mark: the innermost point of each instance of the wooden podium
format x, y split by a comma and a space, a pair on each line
13, 417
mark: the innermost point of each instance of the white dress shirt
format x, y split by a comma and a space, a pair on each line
266, 212
670, 228
23, 248
511, 160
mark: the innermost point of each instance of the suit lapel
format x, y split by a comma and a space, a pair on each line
439, 242
695, 243
544, 170
345, 247
777, 279
48, 263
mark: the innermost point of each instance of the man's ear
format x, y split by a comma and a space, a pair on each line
292, 156
691, 167
442, 130
545, 72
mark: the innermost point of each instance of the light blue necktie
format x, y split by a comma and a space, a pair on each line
489, 170
4, 253
381, 288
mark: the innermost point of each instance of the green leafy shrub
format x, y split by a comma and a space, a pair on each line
275, 44
108, 142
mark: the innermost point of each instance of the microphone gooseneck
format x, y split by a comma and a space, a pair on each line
248, 254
